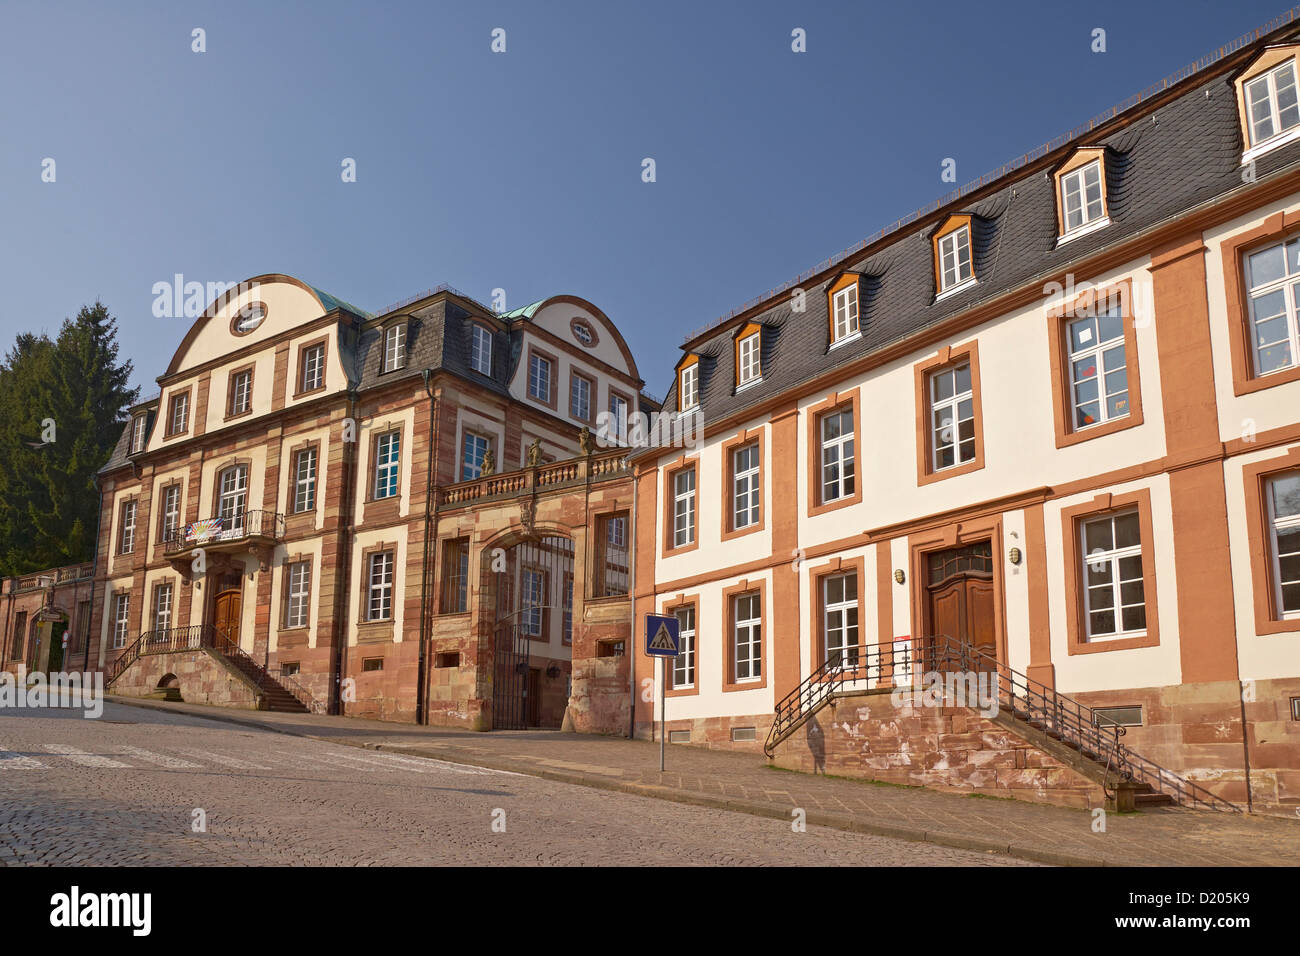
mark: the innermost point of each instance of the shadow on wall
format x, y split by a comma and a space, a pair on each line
817, 745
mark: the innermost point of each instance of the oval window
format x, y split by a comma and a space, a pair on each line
583, 332
248, 318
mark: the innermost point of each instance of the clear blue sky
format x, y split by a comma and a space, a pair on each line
521, 170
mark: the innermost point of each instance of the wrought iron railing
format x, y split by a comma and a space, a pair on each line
1042, 707
300, 693
232, 526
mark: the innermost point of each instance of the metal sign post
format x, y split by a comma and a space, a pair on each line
662, 640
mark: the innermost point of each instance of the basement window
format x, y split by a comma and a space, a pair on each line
447, 659
372, 664
610, 649
679, 736
1117, 717
1295, 708
739, 734
290, 669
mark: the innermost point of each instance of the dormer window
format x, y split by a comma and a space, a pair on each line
844, 309
953, 263
395, 347
1081, 194
688, 386
1267, 101
749, 362
137, 434
480, 350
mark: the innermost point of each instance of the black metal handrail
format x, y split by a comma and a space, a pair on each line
302, 694
1039, 705
232, 526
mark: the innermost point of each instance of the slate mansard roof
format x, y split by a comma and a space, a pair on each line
1182, 154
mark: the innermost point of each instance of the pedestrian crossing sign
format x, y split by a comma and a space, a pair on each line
661, 635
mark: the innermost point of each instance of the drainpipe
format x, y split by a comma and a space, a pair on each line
94, 571
430, 529
5, 638
1245, 743
346, 534
631, 609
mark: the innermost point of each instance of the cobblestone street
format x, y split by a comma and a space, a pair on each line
123, 790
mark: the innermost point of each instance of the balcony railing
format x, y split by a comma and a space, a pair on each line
235, 526
601, 466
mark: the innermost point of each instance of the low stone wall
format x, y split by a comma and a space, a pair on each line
952, 749
203, 678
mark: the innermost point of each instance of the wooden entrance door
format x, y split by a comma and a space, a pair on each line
961, 597
225, 615
534, 697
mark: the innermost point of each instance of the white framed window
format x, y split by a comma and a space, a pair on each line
750, 364
137, 433
121, 619
684, 662
846, 312
747, 638
379, 598
313, 368
304, 481
684, 507
580, 398
952, 417
745, 489
533, 601
299, 596
394, 347
232, 499
618, 413
480, 349
1098, 368
162, 607
838, 462
1271, 104
539, 378
473, 451
1081, 199
690, 388
180, 415
126, 540
1273, 277
566, 611
388, 455
613, 560
1284, 533
955, 259
840, 617
1114, 595
241, 392
171, 511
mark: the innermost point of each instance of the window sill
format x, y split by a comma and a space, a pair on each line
748, 385
1083, 230
1099, 430
960, 287
1276, 142
855, 337
1123, 643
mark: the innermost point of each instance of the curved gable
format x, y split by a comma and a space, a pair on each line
557, 314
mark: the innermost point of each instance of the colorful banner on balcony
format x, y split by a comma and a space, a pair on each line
203, 530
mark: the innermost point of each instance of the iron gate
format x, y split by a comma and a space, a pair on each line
534, 594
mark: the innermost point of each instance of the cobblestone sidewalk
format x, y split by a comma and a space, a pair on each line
1162, 837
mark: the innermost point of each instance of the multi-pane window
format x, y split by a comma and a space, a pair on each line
162, 607
471, 458
455, 576
1098, 368
952, 417
126, 535
533, 601
690, 390
684, 507
379, 588
684, 662
580, 398
1284, 528
121, 619
388, 453
614, 563
304, 480
299, 596
1114, 595
20, 635
394, 347
82, 634
179, 418
840, 618
313, 368
618, 412
171, 511
137, 433
838, 463
1273, 275
566, 623
748, 362
539, 378
232, 501
1271, 103
241, 392
747, 637
745, 490
480, 349
846, 312
1081, 201
954, 258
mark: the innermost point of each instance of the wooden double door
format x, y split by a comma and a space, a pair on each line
226, 613
961, 597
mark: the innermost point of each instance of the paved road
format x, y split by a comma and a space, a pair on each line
123, 790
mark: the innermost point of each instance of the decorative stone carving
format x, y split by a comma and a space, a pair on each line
585, 442
489, 464
535, 453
